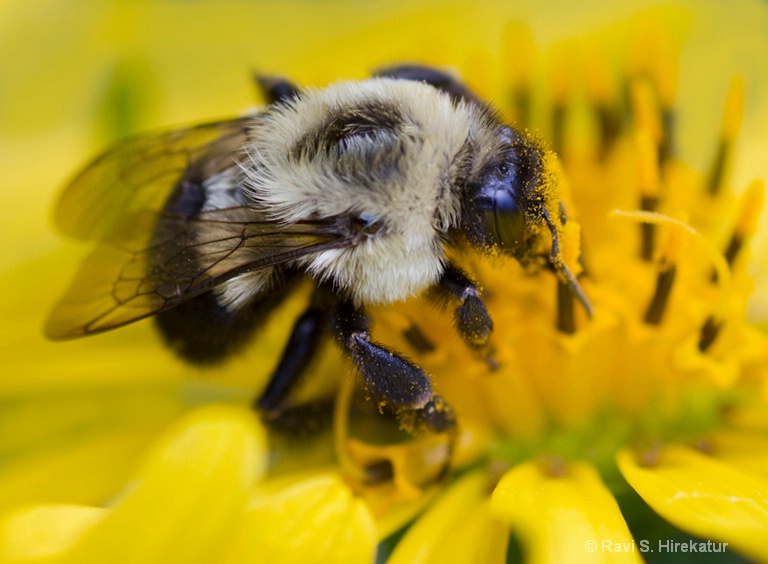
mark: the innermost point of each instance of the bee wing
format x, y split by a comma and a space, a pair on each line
129, 277
151, 255
139, 174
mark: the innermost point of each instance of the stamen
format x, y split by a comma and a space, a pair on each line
521, 101
718, 261
478, 75
709, 332
566, 319
519, 49
666, 87
648, 180
648, 230
734, 108
645, 110
746, 221
749, 213
667, 144
561, 89
666, 278
602, 92
558, 127
654, 57
609, 120
664, 282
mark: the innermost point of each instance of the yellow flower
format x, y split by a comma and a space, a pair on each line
632, 435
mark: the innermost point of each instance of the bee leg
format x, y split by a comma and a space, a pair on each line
276, 89
390, 378
437, 415
305, 339
439, 79
472, 319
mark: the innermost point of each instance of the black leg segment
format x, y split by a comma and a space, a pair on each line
276, 89
437, 415
305, 339
472, 319
389, 377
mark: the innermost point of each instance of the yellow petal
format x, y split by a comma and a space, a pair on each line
458, 528
313, 520
564, 518
188, 494
745, 450
86, 471
78, 446
704, 496
34, 533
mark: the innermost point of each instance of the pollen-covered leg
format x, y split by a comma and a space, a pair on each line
472, 319
434, 77
306, 336
437, 415
389, 377
276, 89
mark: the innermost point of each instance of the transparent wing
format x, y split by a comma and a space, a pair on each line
126, 279
140, 173
152, 254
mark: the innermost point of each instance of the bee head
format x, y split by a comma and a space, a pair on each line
499, 203
512, 202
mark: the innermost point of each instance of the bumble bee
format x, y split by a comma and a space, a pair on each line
361, 187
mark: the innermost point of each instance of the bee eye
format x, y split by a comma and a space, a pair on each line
504, 169
508, 221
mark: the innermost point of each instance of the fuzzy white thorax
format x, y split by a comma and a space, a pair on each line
414, 201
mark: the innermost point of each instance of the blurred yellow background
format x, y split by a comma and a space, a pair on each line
76, 76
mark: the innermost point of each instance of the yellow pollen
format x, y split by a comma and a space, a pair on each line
666, 80
561, 79
599, 82
734, 109
519, 48
645, 111
654, 57
673, 248
749, 209
647, 163
720, 264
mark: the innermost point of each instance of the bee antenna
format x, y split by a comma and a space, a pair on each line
556, 259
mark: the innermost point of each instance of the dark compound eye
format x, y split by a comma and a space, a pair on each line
504, 168
508, 220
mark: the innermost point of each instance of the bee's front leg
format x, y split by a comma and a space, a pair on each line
473, 322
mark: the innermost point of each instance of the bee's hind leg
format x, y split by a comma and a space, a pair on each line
305, 339
389, 378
